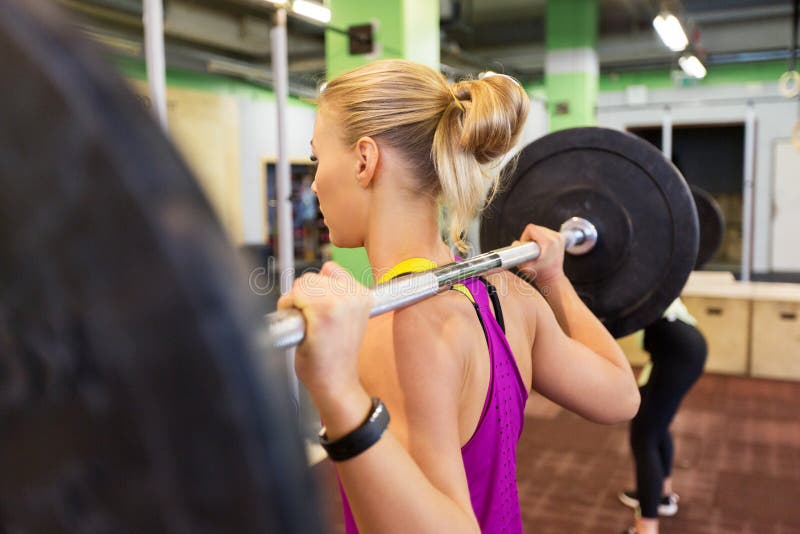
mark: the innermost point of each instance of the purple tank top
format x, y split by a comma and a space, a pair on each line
490, 455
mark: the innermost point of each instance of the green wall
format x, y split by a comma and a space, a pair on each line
571, 24
661, 78
579, 90
741, 73
215, 83
763, 71
404, 29
571, 65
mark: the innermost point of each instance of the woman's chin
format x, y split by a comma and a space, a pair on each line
336, 241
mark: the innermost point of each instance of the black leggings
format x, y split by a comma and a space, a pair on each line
678, 352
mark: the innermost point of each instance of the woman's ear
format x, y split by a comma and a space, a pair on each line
368, 153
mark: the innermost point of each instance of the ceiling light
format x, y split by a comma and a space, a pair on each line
692, 66
312, 10
671, 32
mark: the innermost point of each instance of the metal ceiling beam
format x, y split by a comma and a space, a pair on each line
783, 10
196, 23
191, 59
646, 48
244, 35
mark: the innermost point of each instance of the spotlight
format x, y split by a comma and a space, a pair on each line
312, 10
692, 66
671, 32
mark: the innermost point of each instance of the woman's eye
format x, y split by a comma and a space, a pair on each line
313, 158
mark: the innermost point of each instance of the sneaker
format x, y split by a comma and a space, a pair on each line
667, 507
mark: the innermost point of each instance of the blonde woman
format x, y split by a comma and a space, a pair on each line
394, 142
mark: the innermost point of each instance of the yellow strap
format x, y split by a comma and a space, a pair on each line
415, 265
411, 265
644, 376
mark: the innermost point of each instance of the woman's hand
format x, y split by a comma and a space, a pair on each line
336, 309
549, 267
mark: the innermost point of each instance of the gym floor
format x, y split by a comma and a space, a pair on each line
736, 440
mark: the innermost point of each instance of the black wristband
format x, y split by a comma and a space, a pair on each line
360, 439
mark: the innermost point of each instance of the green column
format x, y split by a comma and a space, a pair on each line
404, 29
571, 64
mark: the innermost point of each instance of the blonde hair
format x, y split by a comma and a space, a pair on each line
451, 134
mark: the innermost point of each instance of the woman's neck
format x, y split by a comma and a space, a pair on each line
399, 230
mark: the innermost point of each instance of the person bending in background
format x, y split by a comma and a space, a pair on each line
677, 356
394, 141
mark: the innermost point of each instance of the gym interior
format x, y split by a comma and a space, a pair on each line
227, 91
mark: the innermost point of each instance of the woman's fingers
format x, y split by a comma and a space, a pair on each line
549, 264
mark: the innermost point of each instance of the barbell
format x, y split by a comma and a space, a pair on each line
134, 393
286, 328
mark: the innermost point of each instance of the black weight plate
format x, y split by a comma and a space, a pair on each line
712, 225
133, 396
639, 202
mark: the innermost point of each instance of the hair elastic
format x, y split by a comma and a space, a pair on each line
458, 102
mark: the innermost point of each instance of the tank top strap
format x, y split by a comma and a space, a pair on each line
480, 295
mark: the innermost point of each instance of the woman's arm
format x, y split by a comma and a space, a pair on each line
576, 362
599, 386
412, 479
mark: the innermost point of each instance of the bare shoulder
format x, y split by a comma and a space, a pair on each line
439, 325
518, 298
513, 284
416, 360
426, 345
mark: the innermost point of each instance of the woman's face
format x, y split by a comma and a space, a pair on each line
342, 200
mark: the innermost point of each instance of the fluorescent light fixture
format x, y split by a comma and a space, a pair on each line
312, 10
692, 66
671, 32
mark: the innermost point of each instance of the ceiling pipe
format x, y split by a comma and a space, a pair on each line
779, 10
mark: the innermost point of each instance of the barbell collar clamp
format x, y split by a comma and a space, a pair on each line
581, 236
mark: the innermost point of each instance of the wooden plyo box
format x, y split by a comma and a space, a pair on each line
775, 341
725, 323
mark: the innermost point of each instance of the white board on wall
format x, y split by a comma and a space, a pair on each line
786, 207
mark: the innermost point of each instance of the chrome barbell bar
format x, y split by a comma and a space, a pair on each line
286, 328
